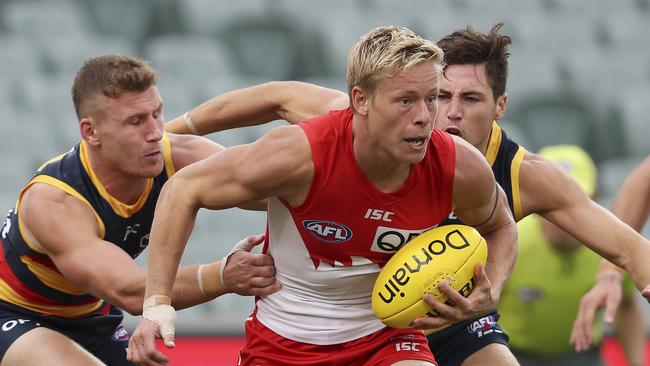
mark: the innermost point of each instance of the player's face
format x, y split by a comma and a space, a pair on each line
401, 113
466, 104
131, 133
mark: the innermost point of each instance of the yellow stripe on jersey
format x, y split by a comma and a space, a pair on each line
514, 182
56, 158
120, 208
9, 295
46, 179
170, 169
493, 144
52, 278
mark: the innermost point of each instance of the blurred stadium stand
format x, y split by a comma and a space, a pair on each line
580, 73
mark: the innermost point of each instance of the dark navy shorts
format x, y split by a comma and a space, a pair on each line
103, 336
452, 345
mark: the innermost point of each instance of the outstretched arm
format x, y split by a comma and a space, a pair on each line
234, 176
292, 101
550, 192
65, 229
632, 206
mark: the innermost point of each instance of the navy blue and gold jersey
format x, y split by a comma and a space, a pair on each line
28, 277
504, 156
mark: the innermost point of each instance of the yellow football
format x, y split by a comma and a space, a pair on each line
444, 253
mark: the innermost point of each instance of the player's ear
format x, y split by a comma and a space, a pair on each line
88, 130
500, 108
360, 100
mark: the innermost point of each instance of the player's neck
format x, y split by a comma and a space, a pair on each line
386, 173
124, 187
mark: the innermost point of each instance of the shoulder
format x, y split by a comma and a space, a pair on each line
188, 149
473, 175
544, 185
285, 140
46, 211
279, 163
469, 161
536, 171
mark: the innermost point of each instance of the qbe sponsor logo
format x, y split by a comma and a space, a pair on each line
390, 239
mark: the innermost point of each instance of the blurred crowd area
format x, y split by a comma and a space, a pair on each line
579, 73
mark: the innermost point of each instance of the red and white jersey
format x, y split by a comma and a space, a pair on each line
329, 250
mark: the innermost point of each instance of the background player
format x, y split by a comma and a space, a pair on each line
553, 270
68, 245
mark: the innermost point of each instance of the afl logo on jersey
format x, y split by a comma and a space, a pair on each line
328, 231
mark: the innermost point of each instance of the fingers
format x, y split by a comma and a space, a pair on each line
611, 307
458, 307
581, 334
248, 243
139, 355
429, 322
245, 258
446, 314
458, 300
251, 274
142, 348
646, 293
267, 290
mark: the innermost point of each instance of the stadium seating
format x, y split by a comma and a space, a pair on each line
192, 57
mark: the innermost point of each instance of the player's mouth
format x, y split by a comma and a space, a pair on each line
452, 130
153, 155
416, 142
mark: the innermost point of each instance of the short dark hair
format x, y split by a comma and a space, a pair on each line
468, 46
111, 76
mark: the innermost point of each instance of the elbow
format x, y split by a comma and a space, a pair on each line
132, 304
128, 296
178, 191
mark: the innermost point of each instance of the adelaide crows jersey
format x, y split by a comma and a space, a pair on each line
504, 156
28, 277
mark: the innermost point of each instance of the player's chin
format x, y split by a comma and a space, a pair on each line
151, 170
414, 156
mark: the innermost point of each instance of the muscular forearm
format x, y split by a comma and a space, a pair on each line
502, 254
188, 291
246, 107
636, 263
171, 228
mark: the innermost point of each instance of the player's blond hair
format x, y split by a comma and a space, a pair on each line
110, 76
383, 52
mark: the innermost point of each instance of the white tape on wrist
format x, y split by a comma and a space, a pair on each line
190, 124
156, 308
156, 300
164, 316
